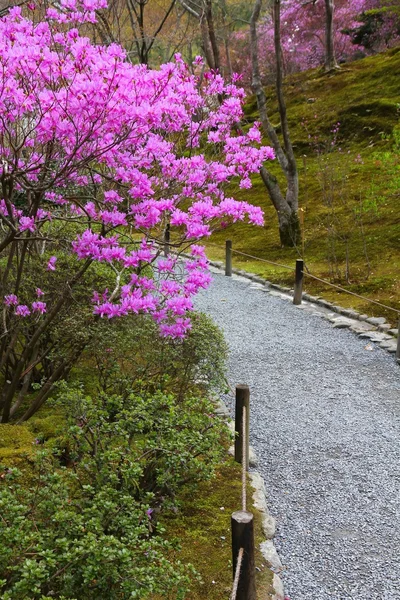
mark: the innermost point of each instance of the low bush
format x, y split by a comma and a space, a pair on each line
86, 526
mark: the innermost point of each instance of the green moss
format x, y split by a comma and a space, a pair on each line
16, 445
202, 527
47, 426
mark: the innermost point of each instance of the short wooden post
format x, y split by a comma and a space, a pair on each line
242, 400
398, 344
243, 537
228, 258
167, 237
298, 282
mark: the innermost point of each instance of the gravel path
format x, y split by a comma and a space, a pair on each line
325, 424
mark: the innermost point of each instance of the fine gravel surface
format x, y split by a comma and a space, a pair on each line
325, 423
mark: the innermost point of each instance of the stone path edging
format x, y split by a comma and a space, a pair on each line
373, 329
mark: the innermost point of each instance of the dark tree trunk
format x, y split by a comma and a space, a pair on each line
212, 35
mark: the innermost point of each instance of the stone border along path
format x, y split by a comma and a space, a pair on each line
325, 424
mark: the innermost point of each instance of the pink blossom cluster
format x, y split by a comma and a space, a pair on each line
22, 310
121, 151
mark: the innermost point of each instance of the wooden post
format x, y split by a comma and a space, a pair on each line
228, 258
243, 537
298, 283
242, 400
398, 344
167, 237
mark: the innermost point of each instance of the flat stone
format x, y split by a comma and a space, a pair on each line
270, 554
277, 294
277, 584
363, 317
362, 326
394, 332
376, 320
268, 525
352, 314
259, 495
342, 323
253, 459
375, 336
337, 309
389, 345
325, 303
384, 327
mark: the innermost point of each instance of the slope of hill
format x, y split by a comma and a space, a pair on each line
345, 131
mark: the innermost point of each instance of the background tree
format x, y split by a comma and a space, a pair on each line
285, 204
330, 59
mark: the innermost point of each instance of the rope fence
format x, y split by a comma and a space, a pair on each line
244, 459
338, 287
237, 574
229, 250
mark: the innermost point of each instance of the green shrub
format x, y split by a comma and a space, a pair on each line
87, 525
130, 355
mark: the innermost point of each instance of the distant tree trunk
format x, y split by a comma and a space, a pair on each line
285, 204
205, 42
330, 60
212, 34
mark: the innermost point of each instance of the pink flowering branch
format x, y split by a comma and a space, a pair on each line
118, 152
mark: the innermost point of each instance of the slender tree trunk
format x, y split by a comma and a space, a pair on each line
205, 42
212, 34
330, 60
285, 203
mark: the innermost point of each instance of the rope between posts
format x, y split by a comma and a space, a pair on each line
338, 287
244, 461
237, 574
263, 260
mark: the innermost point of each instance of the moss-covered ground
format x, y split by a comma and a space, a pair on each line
349, 185
202, 526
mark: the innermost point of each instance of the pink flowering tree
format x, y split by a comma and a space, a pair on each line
98, 159
303, 36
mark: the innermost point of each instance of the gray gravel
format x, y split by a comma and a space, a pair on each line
325, 423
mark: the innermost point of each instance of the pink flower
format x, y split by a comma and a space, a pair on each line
11, 300
27, 223
22, 310
39, 292
51, 265
39, 307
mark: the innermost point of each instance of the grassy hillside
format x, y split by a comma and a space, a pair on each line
349, 183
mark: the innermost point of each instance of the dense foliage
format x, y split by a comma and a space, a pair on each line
80, 519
